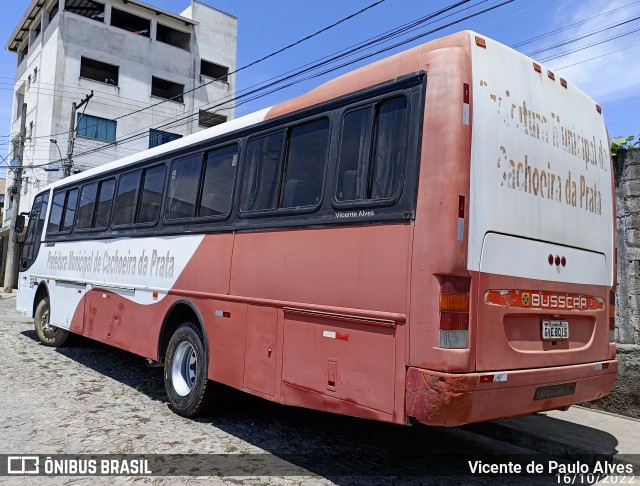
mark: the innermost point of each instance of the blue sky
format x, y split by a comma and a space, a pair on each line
609, 72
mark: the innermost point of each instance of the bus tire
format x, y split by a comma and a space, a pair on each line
48, 334
185, 372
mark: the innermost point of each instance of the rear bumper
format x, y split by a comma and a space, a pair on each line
437, 398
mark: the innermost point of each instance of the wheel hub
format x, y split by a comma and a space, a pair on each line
183, 368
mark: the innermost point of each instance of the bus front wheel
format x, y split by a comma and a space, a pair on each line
185, 372
48, 334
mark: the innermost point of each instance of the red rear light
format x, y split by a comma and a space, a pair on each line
454, 312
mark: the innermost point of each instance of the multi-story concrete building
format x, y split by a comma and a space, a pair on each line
144, 66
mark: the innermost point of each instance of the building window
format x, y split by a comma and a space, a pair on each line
30, 130
35, 74
208, 119
158, 137
215, 71
98, 71
29, 81
167, 89
86, 8
97, 128
130, 22
23, 53
38, 29
173, 37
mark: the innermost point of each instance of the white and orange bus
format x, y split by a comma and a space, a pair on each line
430, 236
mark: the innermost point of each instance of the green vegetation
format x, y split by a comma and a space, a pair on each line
624, 143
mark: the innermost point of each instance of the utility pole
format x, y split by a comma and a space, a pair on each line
13, 249
68, 163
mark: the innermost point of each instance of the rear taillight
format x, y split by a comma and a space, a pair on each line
612, 316
454, 312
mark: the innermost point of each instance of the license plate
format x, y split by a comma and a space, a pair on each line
555, 330
553, 391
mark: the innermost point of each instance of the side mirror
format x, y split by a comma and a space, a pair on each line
19, 227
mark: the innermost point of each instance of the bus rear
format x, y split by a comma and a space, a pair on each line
521, 320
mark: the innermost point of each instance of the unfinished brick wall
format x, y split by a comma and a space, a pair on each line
627, 178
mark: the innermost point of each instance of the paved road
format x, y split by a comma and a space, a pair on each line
89, 398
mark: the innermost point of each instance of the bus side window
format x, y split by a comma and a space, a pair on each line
184, 181
305, 164
69, 210
87, 205
262, 173
217, 186
55, 216
151, 199
371, 157
126, 198
103, 207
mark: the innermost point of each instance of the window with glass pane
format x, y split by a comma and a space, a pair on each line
86, 206
389, 146
306, 159
97, 128
158, 137
127, 198
262, 176
354, 153
103, 208
41, 216
219, 176
372, 152
184, 181
29, 241
70, 210
153, 182
55, 216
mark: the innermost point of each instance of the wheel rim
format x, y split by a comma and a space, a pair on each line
183, 369
48, 330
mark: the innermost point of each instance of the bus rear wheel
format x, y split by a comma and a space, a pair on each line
185, 372
48, 334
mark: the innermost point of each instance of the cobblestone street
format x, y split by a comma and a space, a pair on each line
90, 398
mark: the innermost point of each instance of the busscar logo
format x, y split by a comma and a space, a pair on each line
23, 465
526, 299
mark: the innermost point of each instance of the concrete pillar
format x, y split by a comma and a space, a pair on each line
107, 14
3, 262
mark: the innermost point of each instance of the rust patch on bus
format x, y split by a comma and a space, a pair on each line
438, 399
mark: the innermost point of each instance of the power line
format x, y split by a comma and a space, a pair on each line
597, 57
576, 39
292, 82
289, 75
575, 24
359, 12
589, 46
